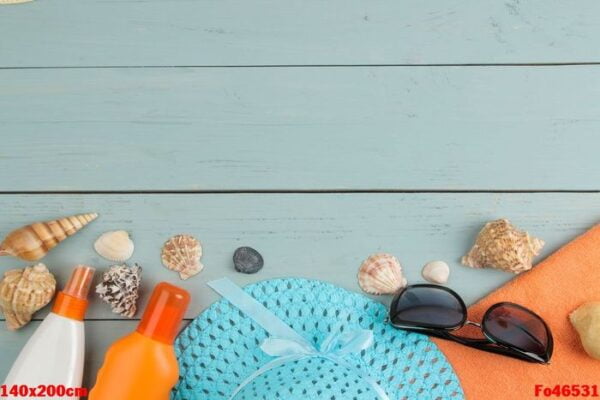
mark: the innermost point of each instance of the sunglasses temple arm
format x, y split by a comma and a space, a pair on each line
485, 345
463, 340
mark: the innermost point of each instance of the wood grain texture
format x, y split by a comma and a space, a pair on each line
322, 236
268, 32
312, 128
317, 236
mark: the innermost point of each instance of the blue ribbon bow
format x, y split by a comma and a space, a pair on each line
287, 345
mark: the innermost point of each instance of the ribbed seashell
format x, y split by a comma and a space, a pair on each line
500, 245
381, 274
33, 242
120, 288
115, 246
25, 291
182, 253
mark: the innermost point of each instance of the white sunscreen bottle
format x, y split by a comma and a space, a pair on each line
52, 359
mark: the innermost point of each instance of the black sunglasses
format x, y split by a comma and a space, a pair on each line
508, 328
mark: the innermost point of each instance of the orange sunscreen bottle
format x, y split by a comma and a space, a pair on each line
142, 365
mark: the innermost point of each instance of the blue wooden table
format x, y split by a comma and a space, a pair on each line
316, 132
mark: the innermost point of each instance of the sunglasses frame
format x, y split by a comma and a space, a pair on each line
490, 344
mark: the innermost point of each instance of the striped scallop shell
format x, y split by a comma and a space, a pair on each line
182, 253
381, 273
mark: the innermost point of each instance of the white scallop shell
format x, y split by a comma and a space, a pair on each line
381, 274
115, 246
182, 253
436, 272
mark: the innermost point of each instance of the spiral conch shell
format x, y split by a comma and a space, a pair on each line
32, 242
120, 288
14, 1
23, 292
381, 274
182, 253
500, 245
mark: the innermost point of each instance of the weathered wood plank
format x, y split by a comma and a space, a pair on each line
316, 128
268, 32
99, 336
319, 236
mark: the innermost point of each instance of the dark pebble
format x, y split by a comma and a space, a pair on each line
247, 260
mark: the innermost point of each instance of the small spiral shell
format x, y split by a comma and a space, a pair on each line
14, 1
120, 288
32, 242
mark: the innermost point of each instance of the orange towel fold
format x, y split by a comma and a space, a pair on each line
552, 289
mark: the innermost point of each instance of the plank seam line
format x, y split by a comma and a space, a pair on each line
529, 64
104, 319
292, 191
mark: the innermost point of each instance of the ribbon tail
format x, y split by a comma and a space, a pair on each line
374, 385
380, 392
255, 310
277, 347
268, 366
355, 342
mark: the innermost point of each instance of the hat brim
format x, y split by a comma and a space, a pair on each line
220, 348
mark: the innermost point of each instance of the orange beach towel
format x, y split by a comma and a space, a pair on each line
554, 288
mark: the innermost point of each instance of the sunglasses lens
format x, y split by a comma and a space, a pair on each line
517, 327
427, 307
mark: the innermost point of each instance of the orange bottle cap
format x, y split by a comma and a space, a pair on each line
72, 302
164, 313
80, 282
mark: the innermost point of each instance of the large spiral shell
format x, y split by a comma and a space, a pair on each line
23, 292
501, 245
33, 241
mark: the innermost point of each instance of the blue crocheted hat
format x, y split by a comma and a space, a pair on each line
340, 348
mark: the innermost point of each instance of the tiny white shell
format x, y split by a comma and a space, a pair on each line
115, 246
436, 272
381, 274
